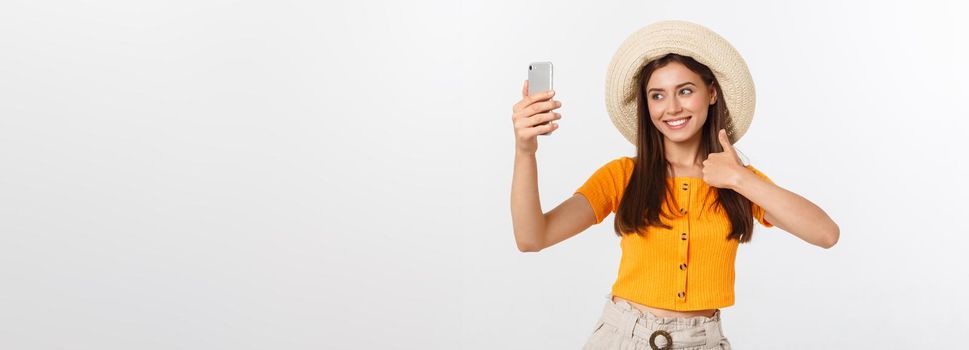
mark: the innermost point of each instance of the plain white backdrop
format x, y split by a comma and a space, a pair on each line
312, 175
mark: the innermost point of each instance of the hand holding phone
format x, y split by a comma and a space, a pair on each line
540, 80
533, 115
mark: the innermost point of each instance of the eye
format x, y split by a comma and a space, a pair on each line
657, 96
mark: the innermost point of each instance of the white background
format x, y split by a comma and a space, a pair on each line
297, 175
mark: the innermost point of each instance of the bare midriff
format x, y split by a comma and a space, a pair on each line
667, 312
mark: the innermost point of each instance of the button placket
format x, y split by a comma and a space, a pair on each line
683, 247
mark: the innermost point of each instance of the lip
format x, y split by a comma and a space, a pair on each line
678, 126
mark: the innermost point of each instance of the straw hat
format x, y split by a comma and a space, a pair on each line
688, 39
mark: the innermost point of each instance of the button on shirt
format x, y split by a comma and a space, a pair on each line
687, 267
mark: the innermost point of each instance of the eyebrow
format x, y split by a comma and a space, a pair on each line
681, 84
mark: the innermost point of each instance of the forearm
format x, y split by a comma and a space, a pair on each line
526, 209
788, 210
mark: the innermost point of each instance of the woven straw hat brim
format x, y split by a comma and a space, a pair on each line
684, 38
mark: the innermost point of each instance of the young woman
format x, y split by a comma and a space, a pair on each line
682, 205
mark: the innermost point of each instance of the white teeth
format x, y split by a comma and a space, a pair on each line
678, 122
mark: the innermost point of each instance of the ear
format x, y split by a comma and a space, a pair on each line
713, 96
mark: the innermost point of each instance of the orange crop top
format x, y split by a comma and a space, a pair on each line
688, 267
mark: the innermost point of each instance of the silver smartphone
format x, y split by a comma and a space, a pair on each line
539, 79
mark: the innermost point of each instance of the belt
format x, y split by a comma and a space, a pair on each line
631, 323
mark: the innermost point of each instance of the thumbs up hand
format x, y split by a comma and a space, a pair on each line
723, 169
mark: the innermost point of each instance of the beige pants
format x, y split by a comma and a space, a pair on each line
623, 327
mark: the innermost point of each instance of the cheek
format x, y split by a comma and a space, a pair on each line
655, 111
698, 105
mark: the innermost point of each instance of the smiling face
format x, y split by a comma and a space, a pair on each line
674, 93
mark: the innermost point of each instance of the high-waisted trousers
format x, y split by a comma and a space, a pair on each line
623, 327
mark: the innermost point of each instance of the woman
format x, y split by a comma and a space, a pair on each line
682, 205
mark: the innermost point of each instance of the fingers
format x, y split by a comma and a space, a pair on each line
531, 126
536, 108
528, 100
537, 119
550, 127
539, 130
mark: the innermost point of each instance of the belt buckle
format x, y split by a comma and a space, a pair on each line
665, 334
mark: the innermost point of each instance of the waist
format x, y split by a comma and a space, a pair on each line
662, 332
666, 312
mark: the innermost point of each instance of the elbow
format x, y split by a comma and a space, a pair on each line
528, 242
831, 238
528, 247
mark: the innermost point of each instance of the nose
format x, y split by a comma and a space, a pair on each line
674, 107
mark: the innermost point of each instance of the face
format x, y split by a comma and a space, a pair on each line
673, 93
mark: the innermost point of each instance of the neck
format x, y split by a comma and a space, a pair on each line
683, 154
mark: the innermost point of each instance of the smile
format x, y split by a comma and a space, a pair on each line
677, 124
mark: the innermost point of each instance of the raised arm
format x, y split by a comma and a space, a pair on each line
535, 230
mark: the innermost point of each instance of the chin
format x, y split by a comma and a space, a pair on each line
681, 135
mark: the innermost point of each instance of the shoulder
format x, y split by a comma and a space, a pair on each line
621, 165
625, 162
617, 168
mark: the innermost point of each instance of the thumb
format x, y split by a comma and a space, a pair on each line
725, 142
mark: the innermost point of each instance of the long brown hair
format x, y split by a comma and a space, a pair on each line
647, 186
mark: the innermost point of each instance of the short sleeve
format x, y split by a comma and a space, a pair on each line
604, 188
757, 210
